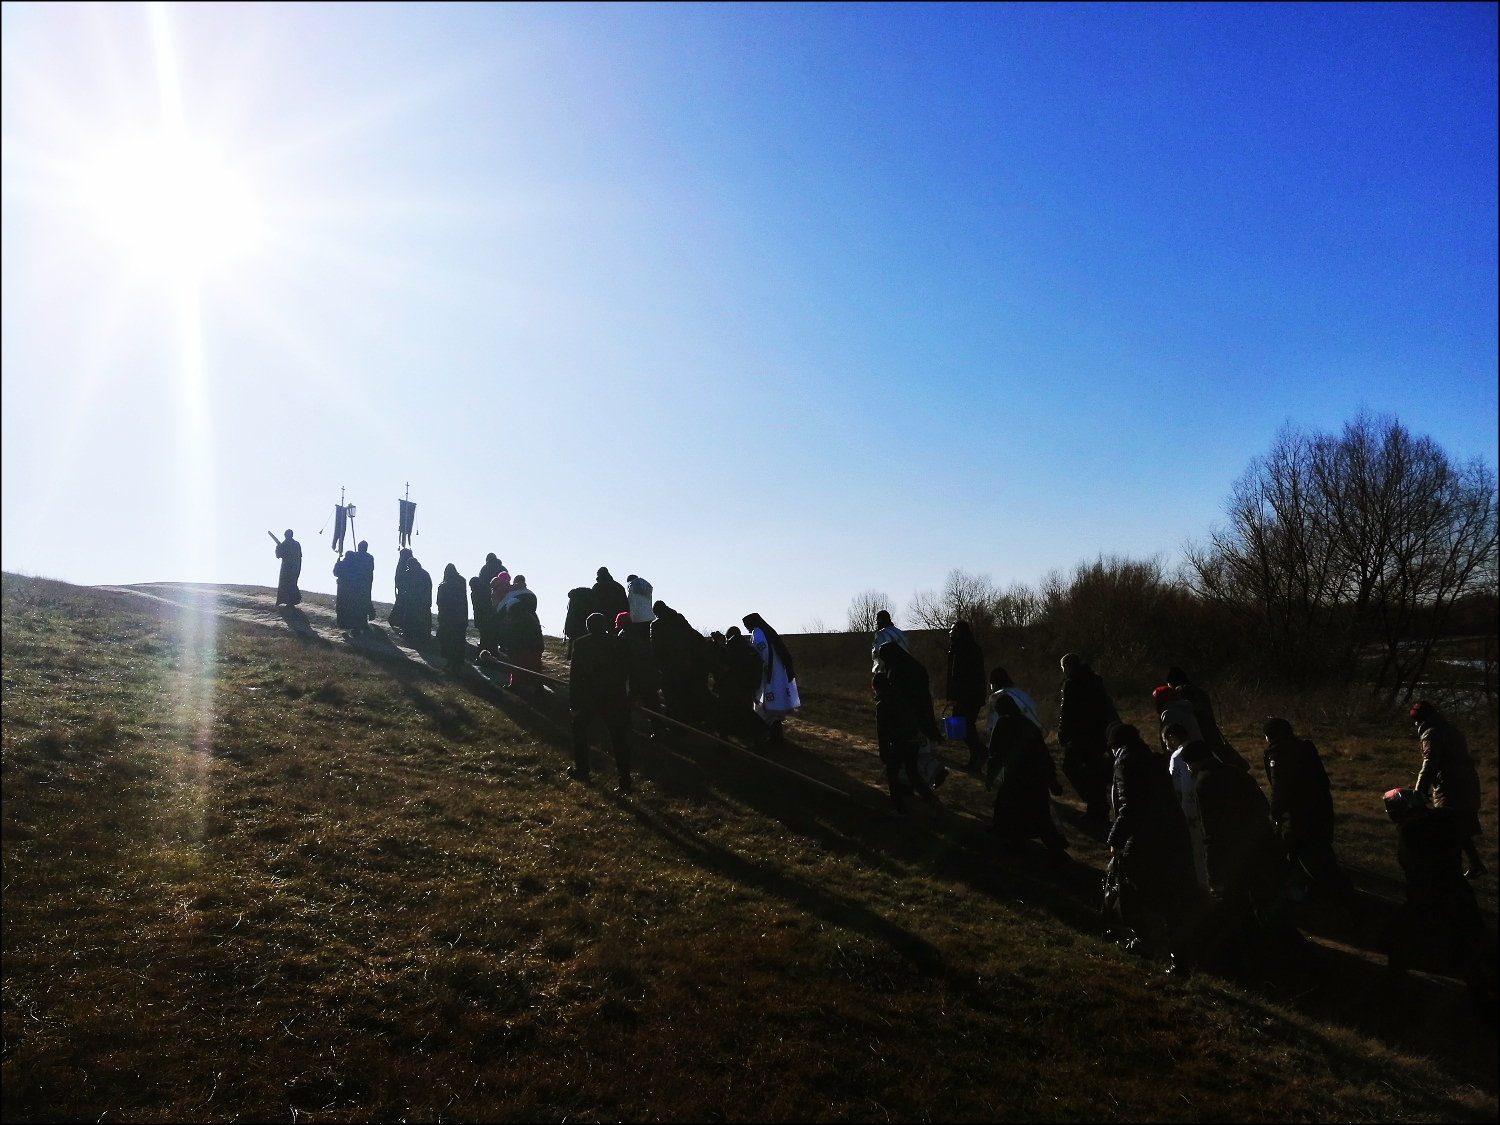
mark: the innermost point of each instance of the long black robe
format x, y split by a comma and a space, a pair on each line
418, 602
348, 601
289, 551
453, 615
1022, 766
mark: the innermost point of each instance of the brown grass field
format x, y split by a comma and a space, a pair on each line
254, 871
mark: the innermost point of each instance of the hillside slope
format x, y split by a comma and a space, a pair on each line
251, 868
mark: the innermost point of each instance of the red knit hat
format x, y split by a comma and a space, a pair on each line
622, 619
1166, 694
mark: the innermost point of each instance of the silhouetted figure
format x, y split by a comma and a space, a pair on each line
778, 682
519, 632
1208, 723
580, 605
479, 590
643, 672
737, 676
899, 739
908, 676
1302, 808
885, 630
453, 616
1025, 778
289, 551
610, 598
1439, 928
638, 594
598, 682
1087, 711
1448, 778
397, 618
355, 572
682, 657
1246, 866
966, 688
1149, 841
418, 625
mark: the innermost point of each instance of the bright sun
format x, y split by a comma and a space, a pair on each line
173, 204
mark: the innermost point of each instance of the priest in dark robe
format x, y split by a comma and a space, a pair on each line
403, 581
418, 621
453, 616
365, 562
348, 600
289, 551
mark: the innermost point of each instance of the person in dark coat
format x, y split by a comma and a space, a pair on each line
737, 676
898, 738
610, 597
289, 551
453, 617
1302, 809
909, 676
967, 688
1149, 839
643, 673
1448, 778
397, 616
1022, 767
580, 605
418, 627
347, 597
1087, 711
598, 682
1208, 722
682, 657
1439, 928
518, 632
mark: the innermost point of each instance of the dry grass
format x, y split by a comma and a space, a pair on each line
355, 888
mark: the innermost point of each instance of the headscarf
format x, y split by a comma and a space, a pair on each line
1164, 695
518, 582
622, 619
1277, 730
1000, 679
450, 574
754, 621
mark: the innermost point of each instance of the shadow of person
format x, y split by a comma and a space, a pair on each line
296, 620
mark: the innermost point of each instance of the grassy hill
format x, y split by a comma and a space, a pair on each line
252, 870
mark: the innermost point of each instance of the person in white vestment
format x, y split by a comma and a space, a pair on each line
885, 630
1185, 782
778, 682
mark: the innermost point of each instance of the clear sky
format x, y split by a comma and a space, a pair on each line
770, 304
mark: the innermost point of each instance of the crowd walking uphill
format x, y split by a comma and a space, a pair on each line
1205, 866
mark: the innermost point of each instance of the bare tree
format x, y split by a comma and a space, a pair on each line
964, 597
863, 607
1348, 550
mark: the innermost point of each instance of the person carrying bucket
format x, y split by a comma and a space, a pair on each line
966, 692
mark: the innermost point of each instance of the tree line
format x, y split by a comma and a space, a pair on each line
1343, 556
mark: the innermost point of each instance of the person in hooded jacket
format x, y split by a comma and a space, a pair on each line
610, 597
453, 617
1302, 809
966, 689
1087, 711
898, 738
418, 627
580, 605
1448, 778
403, 581
598, 685
519, 632
1149, 838
1439, 928
638, 594
1024, 777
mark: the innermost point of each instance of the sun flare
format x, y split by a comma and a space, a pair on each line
173, 204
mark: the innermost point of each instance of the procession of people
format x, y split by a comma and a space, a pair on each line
1204, 863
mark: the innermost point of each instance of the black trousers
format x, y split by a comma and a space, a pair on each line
1089, 767
969, 713
616, 722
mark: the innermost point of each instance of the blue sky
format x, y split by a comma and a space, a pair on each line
770, 304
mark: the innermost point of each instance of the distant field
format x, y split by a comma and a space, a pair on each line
253, 871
